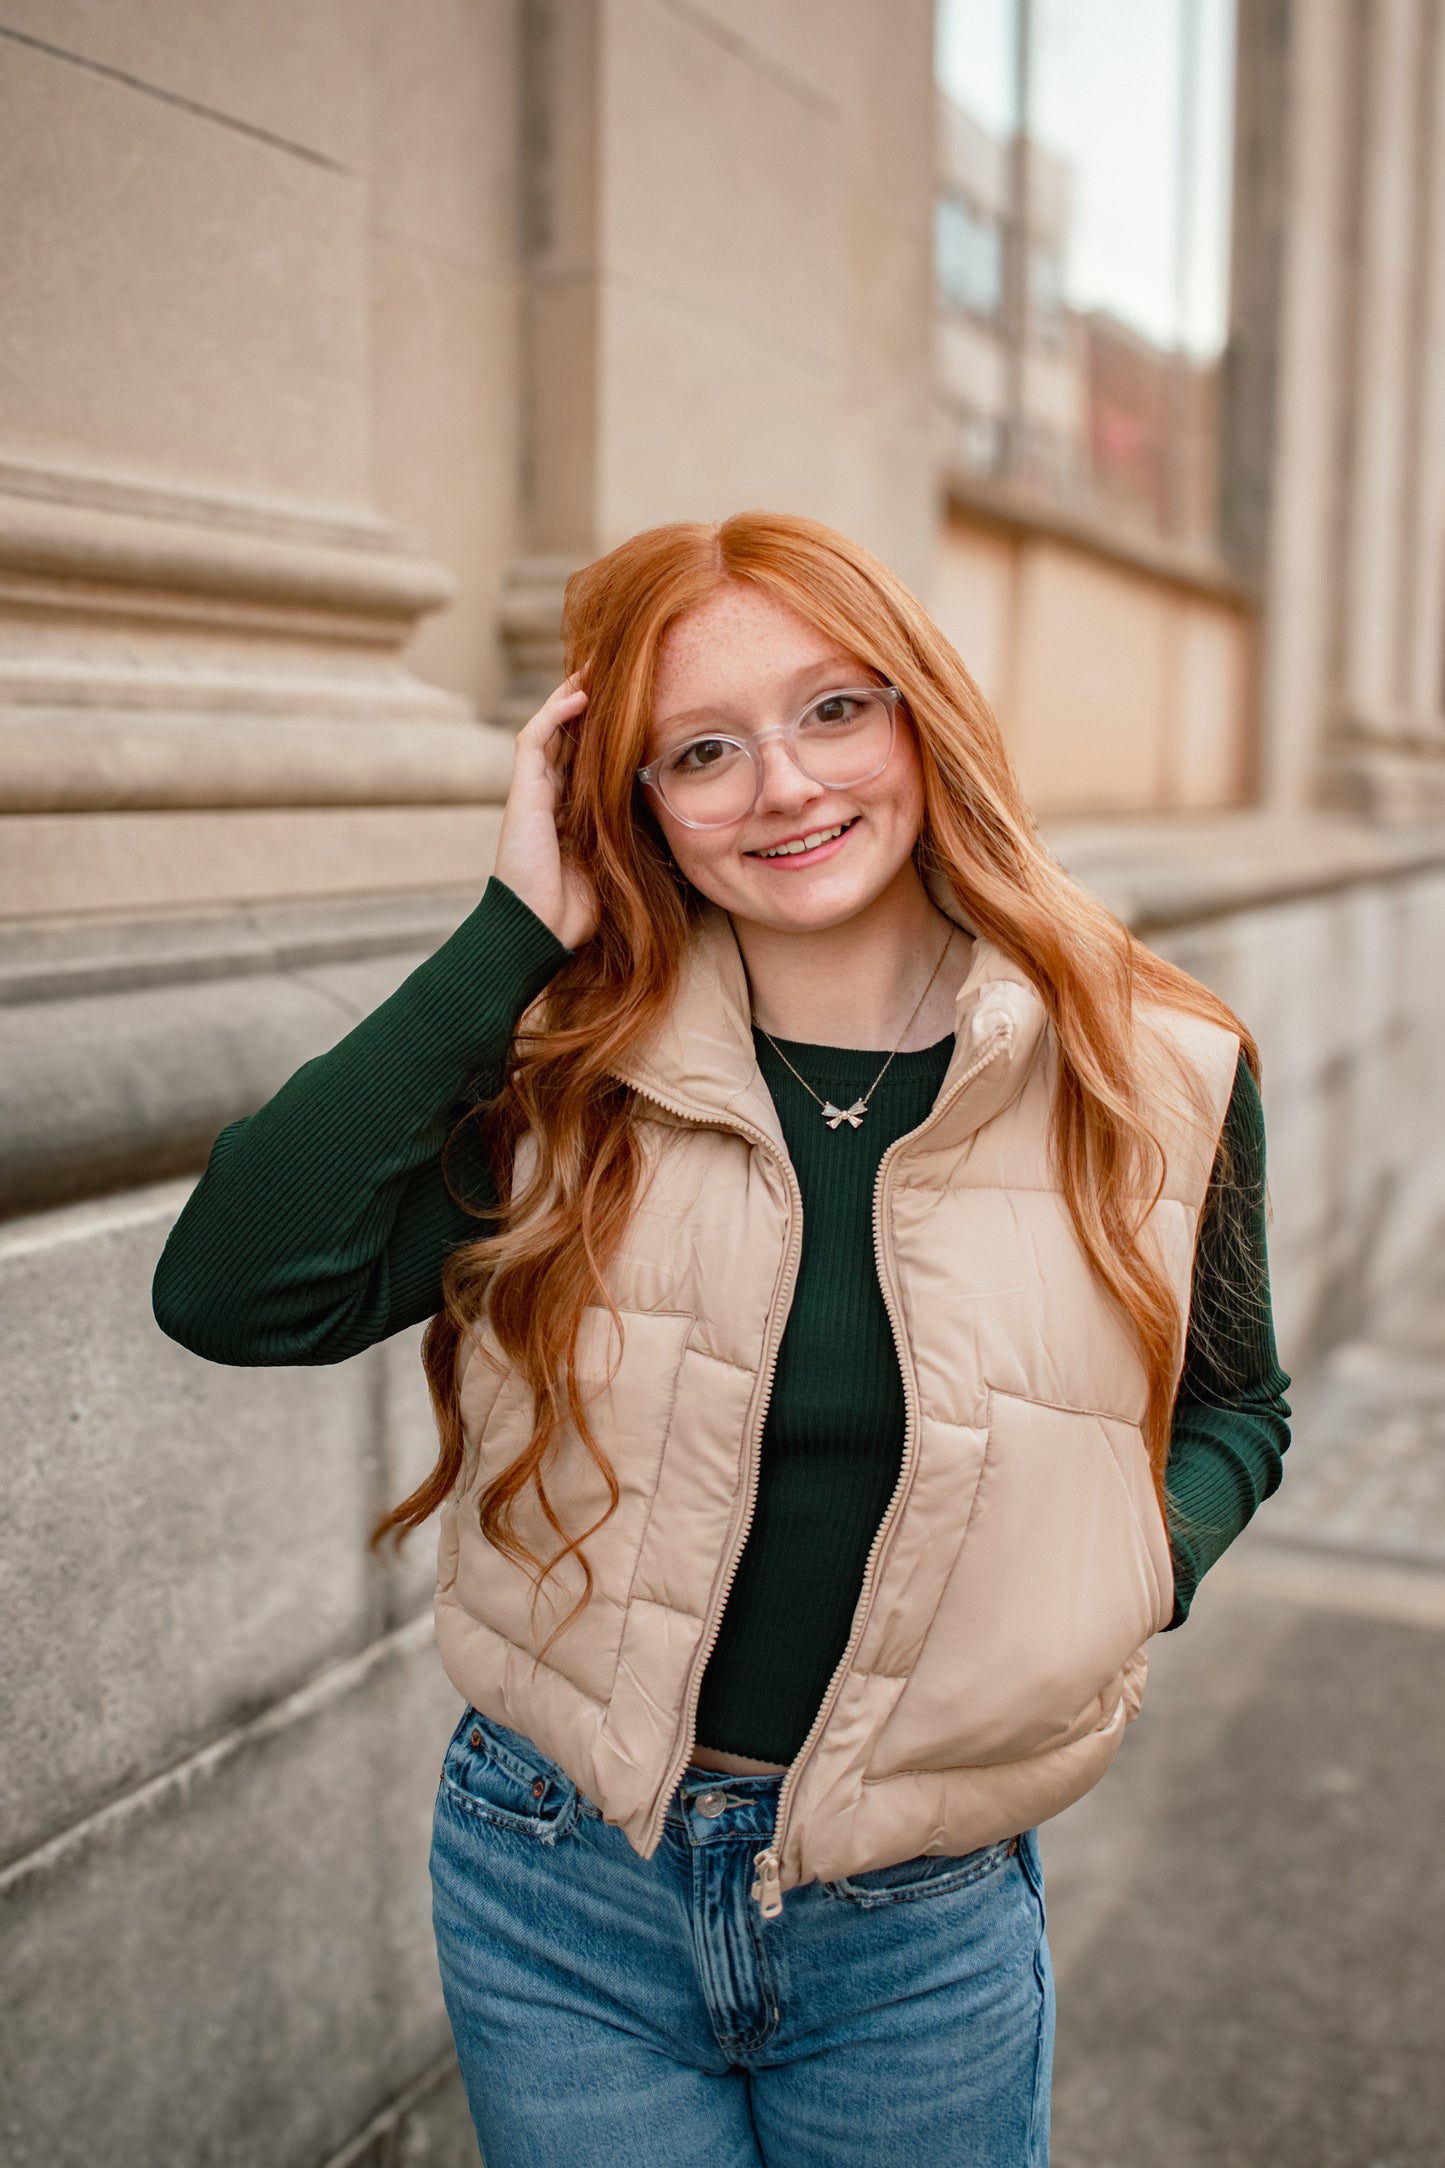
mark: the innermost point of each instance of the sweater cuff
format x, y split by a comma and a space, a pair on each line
474, 989
508, 935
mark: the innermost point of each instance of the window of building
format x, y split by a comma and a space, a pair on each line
1105, 127
969, 257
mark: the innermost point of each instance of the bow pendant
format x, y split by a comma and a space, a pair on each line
834, 1115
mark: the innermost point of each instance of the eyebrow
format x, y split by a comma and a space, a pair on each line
824, 664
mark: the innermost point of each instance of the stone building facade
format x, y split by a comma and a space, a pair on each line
331, 336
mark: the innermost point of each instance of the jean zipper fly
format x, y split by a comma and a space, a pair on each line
767, 1890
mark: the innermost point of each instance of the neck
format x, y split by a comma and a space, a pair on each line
854, 984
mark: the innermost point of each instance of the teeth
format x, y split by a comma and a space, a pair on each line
805, 843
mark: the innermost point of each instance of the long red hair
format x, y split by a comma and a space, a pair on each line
546, 1256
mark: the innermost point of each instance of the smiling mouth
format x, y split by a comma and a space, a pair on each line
813, 841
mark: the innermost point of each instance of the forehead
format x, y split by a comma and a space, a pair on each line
739, 652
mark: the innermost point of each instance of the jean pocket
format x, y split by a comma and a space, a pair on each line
930, 1875
500, 1777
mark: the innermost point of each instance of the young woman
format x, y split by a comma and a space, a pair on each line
850, 1343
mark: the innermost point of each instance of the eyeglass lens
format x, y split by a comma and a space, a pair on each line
844, 738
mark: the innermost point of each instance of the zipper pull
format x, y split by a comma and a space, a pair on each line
767, 1894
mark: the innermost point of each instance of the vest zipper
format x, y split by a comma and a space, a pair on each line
777, 1319
767, 1888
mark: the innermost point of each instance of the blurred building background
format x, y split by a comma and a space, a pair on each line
331, 337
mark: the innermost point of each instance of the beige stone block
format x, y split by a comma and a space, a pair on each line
724, 187
1089, 711
181, 300
444, 369
409, 1450
235, 1964
883, 489
136, 861
291, 69
564, 428
808, 47
442, 151
970, 599
702, 418
181, 1542
887, 170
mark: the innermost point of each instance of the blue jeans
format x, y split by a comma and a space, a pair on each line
611, 2010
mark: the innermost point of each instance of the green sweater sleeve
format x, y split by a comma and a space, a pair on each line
1231, 1420
322, 1221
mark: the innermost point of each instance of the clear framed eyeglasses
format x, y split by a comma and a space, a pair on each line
841, 738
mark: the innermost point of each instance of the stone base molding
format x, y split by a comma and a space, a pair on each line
71, 761
161, 649
1389, 767
530, 622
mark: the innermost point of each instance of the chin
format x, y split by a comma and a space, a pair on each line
816, 904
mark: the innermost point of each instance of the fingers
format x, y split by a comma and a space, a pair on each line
563, 704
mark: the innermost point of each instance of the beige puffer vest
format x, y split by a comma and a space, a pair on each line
997, 1649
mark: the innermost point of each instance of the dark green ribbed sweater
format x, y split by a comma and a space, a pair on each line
323, 1220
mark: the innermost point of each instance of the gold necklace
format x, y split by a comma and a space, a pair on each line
832, 1115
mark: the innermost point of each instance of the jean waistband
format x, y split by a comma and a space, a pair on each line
705, 1807
710, 1808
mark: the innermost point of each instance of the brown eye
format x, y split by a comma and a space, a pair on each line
700, 755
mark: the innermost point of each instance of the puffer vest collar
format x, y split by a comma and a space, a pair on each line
701, 1064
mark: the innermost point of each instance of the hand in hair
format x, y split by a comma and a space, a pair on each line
529, 858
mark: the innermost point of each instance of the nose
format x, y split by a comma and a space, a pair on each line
784, 786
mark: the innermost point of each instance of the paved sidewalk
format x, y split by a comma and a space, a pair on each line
1248, 1915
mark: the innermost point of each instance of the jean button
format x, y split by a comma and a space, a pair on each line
711, 1804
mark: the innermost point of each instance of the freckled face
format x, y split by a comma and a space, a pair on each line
743, 662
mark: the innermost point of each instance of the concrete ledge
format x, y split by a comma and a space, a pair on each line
129, 1044
64, 957
184, 859
1182, 870
111, 1090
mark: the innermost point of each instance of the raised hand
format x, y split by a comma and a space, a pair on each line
529, 858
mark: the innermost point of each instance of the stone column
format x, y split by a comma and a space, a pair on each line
1334, 481
202, 612
1390, 737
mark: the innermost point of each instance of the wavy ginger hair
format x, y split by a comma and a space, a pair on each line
555, 1232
